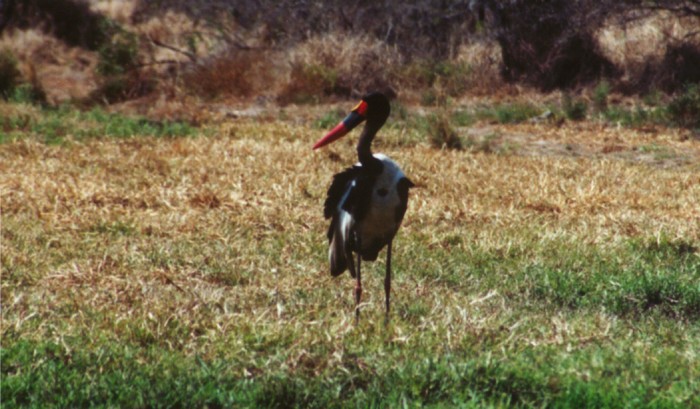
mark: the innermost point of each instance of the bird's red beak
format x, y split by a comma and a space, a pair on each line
346, 125
336, 133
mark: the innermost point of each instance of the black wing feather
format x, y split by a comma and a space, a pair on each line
341, 182
402, 189
362, 188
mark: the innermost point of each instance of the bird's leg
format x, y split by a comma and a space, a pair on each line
387, 281
351, 264
358, 287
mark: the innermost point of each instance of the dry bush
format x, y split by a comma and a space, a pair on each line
484, 60
118, 88
657, 51
418, 29
339, 64
64, 72
238, 73
441, 133
550, 44
71, 21
684, 109
121, 10
629, 45
680, 66
179, 32
474, 70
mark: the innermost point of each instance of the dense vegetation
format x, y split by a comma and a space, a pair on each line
297, 51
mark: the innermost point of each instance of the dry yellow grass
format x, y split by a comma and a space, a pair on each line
254, 183
214, 247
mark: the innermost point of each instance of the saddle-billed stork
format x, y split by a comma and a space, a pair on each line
367, 202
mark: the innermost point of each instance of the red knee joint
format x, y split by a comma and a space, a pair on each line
358, 291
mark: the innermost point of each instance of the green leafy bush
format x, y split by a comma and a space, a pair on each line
118, 60
119, 54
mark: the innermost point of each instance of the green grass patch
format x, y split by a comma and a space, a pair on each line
423, 358
45, 374
600, 95
635, 117
641, 277
684, 109
651, 278
54, 125
330, 119
463, 118
509, 113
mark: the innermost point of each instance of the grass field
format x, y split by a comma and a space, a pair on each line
162, 265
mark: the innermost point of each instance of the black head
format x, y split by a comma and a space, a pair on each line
378, 108
374, 108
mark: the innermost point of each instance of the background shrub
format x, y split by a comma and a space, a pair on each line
441, 132
309, 51
340, 65
236, 72
550, 44
684, 109
120, 53
9, 73
574, 108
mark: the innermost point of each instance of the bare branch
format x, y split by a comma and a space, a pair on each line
159, 43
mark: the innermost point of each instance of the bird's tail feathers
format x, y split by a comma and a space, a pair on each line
339, 236
336, 255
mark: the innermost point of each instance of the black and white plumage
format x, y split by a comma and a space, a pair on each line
367, 202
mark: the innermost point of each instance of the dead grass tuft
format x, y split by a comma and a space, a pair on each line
206, 200
441, 133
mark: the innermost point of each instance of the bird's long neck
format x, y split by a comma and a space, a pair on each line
364, 146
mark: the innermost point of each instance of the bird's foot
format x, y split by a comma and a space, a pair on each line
358, 297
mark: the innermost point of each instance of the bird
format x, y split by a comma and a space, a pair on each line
366, 202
